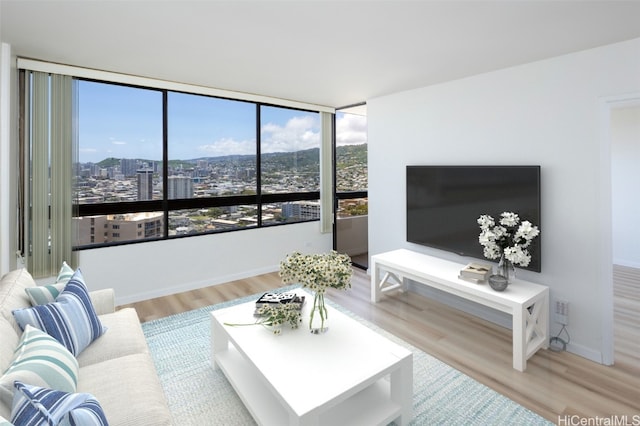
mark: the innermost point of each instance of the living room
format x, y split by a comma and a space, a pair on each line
526, 108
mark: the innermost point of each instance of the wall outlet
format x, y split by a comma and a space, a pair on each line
561, 312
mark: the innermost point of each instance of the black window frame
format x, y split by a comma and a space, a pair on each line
167, 205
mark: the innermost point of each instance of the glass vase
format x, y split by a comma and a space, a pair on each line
319, 318
506, 269
504, 275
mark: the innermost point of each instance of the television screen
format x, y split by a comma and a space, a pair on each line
444, 203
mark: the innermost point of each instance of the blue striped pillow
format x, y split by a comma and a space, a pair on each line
33, 405
71, 319
40, 360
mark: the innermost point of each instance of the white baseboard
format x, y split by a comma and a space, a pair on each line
194, 285
585, 352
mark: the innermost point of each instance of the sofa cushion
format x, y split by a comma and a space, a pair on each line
40, 360
125, 337
13, 296
36, 405
9, 339
41, 295
4, 422
128, 389
71, 319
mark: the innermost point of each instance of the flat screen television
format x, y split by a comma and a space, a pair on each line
444, 203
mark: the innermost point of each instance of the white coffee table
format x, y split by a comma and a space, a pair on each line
349, 375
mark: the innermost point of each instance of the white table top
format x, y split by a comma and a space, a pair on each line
327, 364
446, 272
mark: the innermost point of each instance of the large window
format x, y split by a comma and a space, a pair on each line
120, 143
157, 164
289, 154
351, 164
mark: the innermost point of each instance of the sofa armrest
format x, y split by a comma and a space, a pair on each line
104, 301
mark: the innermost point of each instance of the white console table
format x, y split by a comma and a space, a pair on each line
526, 302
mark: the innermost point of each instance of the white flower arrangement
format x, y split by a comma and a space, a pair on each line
317, 272
509, 237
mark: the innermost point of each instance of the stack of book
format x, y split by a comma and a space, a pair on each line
279, 298
476, 272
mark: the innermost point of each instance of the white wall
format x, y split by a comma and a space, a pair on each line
147, 270
625, 180
547, 113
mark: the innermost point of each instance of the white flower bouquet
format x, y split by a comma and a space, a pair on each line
509, 237
317, 272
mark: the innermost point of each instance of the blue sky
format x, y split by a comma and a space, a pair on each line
125, 122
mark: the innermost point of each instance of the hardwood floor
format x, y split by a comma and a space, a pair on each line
626, 313
554, 384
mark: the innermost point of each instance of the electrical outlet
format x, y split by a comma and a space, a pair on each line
561, 312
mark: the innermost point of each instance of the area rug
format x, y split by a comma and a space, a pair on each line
198, 395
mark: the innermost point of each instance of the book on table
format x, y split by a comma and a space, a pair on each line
273, 298
476, 272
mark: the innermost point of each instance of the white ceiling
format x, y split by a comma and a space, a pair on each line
332, 53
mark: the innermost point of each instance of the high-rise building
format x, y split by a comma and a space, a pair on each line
179, 187
305, 210
134, 226
145, 184
128, 167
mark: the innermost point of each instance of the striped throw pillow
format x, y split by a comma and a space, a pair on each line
71, 319
65, 273
41, 360
41, 295
33, 405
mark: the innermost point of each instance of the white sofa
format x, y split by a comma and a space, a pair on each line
116, 368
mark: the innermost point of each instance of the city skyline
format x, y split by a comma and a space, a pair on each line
126, 122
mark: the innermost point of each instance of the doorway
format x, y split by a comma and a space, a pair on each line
624, 135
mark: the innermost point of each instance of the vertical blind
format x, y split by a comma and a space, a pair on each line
48, 146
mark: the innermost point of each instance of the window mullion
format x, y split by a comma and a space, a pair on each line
258, 166
165, 161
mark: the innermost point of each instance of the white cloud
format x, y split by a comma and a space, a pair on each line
351, 129
118, 142
297, 134
228, 146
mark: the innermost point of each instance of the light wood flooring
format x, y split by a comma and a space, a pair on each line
554, 384
626, 313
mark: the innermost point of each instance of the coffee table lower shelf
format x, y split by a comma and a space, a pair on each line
369, 406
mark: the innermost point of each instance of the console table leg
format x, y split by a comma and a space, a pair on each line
519, 342
375, 279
